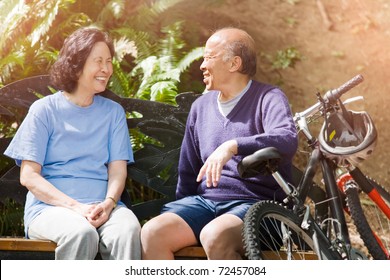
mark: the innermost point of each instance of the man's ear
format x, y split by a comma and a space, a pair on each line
235, 64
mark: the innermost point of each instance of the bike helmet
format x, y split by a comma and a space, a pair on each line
348, 137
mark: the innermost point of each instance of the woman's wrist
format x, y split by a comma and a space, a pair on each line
115, 203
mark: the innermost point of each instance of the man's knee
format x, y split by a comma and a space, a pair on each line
167, 228
151, 230
209, 237
222, 235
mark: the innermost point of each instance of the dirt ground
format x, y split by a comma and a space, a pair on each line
337, 40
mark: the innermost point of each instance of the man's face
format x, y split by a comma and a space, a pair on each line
215, 69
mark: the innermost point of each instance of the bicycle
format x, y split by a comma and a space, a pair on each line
294, 229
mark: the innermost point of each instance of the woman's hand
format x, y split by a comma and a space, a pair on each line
96, 214
99, 213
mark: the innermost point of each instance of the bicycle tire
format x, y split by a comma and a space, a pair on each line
373, 228
263, 234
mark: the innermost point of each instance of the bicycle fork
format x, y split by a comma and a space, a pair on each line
336, 208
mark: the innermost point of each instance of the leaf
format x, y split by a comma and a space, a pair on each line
48, 16
164, 91
124, 46
189, 58
286, 58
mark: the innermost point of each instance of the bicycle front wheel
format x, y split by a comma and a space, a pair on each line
272, 231
370, 221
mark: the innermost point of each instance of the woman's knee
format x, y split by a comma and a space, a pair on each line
83, 234
129, 225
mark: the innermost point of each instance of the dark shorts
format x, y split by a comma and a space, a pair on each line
198, 211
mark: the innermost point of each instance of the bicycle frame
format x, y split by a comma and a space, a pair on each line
334, 200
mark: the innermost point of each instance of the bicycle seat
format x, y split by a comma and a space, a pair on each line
262, 162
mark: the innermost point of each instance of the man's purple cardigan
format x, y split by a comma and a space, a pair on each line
261, 118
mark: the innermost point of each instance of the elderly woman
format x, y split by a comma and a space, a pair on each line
73, 148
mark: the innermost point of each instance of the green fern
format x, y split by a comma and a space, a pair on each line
189, 58
119, 83
48, 15
160, 73
113, 10
147, 15
28, 30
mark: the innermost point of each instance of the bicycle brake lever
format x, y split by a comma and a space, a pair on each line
353, 99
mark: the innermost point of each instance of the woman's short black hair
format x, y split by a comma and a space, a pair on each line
66, 71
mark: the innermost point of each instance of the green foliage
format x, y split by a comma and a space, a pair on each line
286, 58
29, 30
338, 54
34, 32
159, 62
160, 75
7, 130
291, 22
11, 219
292, 2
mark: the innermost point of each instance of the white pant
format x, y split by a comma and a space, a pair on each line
77, 239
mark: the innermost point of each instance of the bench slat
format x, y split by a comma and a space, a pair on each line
22, 244
191, 251
32, 245
282, 255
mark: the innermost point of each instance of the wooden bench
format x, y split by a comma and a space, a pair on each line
155, 168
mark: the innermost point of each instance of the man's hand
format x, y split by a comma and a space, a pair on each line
212, 168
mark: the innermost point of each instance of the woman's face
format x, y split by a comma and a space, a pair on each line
97, 70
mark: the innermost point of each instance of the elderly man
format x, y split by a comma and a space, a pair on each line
236, 117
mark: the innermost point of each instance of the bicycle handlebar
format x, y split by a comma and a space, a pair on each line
331, 96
